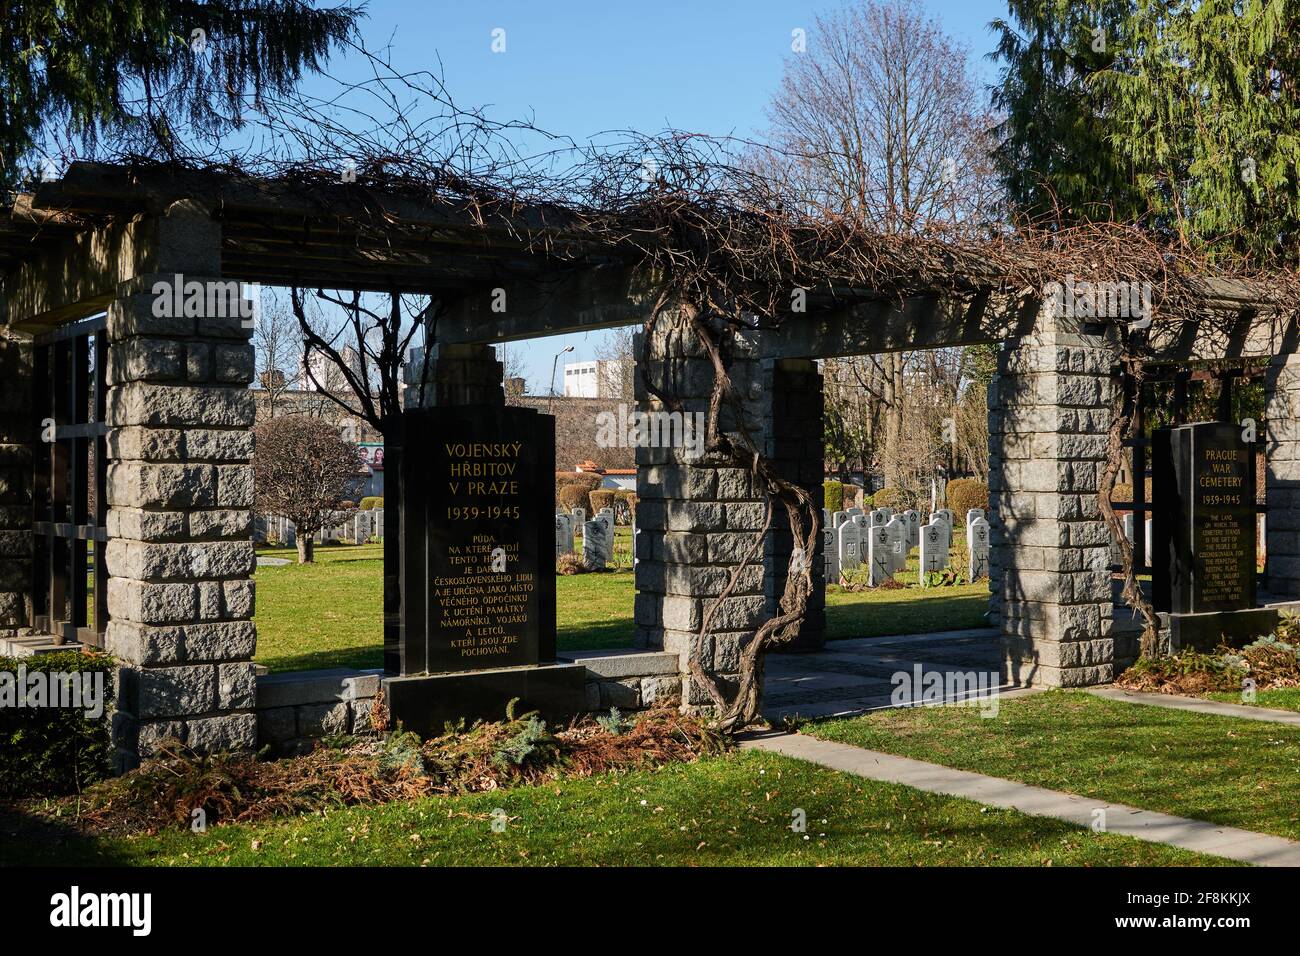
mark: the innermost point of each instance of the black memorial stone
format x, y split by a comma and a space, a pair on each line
477, 576
1203, 530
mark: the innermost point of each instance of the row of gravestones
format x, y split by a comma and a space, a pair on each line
882, 541
597, 536
358, 526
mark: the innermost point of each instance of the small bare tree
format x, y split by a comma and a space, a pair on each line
304, 471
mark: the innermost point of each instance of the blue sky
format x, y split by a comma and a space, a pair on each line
583, 68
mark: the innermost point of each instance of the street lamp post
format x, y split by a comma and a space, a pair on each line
554, 365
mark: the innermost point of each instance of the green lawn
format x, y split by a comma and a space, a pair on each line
730, 811
912, 610
1282, 698
1241, 773
329, 614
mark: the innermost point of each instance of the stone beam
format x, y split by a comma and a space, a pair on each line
919, 322
586, 299
81, 275
1243, 333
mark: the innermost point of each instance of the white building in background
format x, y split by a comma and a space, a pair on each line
598, 378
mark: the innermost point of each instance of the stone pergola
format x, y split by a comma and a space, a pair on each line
177, 415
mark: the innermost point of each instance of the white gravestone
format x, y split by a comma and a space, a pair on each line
840, 518
596, 545
880, 517
977, 541
913, 520
606, 518
934, 550
880, 556
974, 513
831, 555
898, 538
579, 517
563, 536
849, 546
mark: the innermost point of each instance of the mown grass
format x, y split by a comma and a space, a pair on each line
1227, 770
1281, 698
329, 614
735, 810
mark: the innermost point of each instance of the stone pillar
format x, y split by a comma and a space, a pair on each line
698, 519
1049, 411
461, 374
180, 498
1282, 477
791, 400
16, 437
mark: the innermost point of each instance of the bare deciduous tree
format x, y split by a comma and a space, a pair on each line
303, 470
880, 123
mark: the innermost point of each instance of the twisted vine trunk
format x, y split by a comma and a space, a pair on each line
741, 707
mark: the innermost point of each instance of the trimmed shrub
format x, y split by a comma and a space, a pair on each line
604, 498
585, 481
887, 498
46, 750
869, 502
965, 494
624, 499
834, 495
372, 502
573, 496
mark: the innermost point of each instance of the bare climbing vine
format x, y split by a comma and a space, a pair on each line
726, 246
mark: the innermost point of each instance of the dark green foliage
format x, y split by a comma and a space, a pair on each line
47, 751
85, 67
1180, 115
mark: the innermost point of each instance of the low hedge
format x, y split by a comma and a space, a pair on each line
965, 494
572, 496
372, 502
584, 481
604, 498
50, 750
888, 498
833, 492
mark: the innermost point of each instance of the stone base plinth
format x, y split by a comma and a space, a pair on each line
426, 703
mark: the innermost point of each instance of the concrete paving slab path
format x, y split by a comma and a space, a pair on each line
1177, 702
1244, 846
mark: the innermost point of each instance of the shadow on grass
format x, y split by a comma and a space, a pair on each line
30, 840
906, 614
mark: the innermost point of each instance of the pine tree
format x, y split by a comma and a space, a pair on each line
1182, 114
1054, 153
145, 68
1206, 110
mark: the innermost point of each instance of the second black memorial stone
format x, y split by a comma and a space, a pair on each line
478, 589
1205, 554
